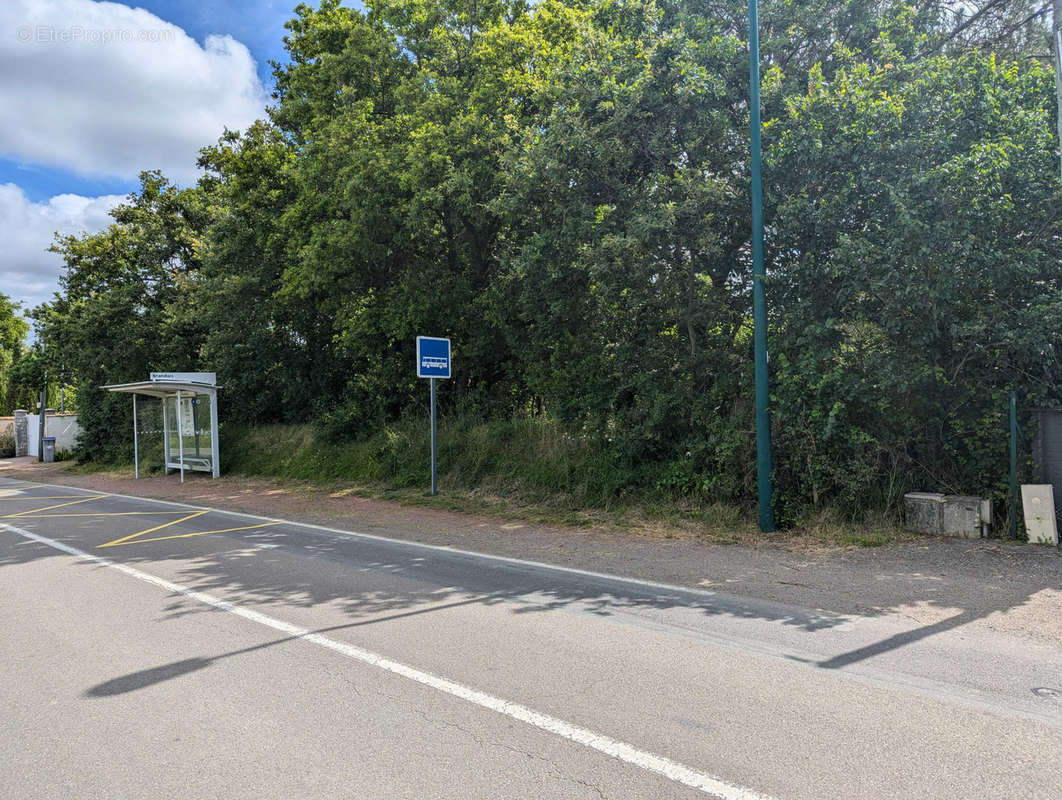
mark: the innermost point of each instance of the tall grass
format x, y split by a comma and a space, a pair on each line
530, 464
529, 457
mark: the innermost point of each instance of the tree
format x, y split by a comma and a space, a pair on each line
13, 330
627, 230
402, 116
561, 187
254, 337
915, 275
122, 311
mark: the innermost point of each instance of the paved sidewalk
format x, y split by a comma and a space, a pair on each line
1010, 588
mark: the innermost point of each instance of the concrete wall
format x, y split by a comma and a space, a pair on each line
63, 427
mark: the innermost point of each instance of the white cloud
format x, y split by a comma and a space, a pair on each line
103, 89
28, 272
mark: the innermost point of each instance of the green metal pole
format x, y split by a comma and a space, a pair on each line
1013, 465
1056, 31
764, 465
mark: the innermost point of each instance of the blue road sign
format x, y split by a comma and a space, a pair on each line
433, 357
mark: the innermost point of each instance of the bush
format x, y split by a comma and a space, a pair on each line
7, 445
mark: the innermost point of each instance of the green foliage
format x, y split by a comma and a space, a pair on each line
7, 444
252, 337
13, 330
627, 241
124, 309
561, 188
915, 279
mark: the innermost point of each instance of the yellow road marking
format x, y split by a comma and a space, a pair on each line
186, 535
99, 514
57, 505
152, 530
40, 497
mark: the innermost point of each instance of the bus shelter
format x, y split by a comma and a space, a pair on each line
189, 419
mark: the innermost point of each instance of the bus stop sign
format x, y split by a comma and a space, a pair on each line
433, 357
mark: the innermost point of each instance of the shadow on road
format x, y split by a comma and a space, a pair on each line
373, 581
149, 677
899, 640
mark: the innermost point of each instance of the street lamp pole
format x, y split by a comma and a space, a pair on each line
764, 465
1056, 36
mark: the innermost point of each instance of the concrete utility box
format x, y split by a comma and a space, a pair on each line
944, 514
1038, 503
962, 516
924, 511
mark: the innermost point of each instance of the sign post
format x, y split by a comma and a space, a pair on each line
434, 443
433, 362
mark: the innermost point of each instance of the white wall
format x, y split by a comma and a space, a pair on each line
63, 427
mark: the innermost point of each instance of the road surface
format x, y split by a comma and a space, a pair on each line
156, 650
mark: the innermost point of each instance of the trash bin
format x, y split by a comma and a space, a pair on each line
48, 449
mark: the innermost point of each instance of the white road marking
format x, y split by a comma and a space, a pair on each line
893, 681
672, 770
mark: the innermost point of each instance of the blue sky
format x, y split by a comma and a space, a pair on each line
91, 93
259, 24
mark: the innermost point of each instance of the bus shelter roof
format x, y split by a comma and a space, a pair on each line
162, 388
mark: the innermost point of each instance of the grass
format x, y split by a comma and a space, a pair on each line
522, 469
529, 458
517, 469
828, 529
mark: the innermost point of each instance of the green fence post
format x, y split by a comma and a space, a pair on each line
1013, 464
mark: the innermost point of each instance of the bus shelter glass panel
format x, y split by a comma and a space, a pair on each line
194, 412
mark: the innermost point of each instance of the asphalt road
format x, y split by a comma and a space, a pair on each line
151, 650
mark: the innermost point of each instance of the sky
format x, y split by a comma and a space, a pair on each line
92, 93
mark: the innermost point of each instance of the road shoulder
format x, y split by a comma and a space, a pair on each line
1008, 588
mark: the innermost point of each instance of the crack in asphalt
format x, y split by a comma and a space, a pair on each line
554, 768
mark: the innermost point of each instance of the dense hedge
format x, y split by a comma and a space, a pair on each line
562, 190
